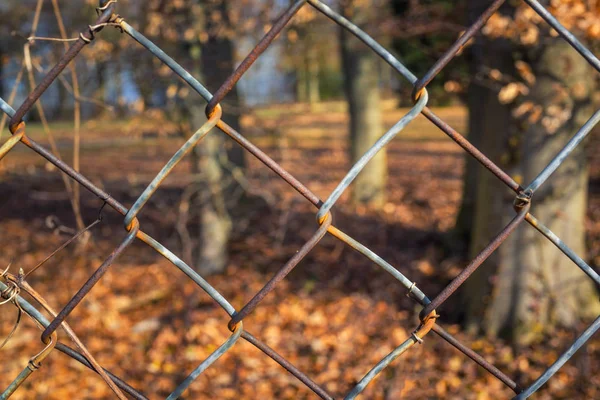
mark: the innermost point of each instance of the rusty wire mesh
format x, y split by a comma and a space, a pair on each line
12, 285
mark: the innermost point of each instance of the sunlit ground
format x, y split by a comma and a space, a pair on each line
333, 317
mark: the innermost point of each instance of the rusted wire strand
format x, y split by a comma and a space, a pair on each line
65, 244
87, 360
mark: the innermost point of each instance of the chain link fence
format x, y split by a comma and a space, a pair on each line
12, 285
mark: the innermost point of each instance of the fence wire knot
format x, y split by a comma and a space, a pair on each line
523, 199
425, 326
10, 293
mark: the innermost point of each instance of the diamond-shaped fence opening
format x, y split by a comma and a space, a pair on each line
11, 286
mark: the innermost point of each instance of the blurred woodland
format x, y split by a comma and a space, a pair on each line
315, 102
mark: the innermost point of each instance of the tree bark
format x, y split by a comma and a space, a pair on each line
361, 85
215, 159
528, 287
218, 62
463, 228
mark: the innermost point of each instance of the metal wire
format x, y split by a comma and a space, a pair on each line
10, 286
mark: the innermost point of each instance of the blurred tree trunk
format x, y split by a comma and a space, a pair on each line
528, 287
361, 84
312, 75
218, 62
141, 74
215, 159
306, 59
301, 84
99, 72
464, 224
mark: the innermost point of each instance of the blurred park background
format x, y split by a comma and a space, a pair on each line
315, 101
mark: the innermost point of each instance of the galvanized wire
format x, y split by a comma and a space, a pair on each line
11, 286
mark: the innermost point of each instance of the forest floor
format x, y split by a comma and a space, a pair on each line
334, 317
